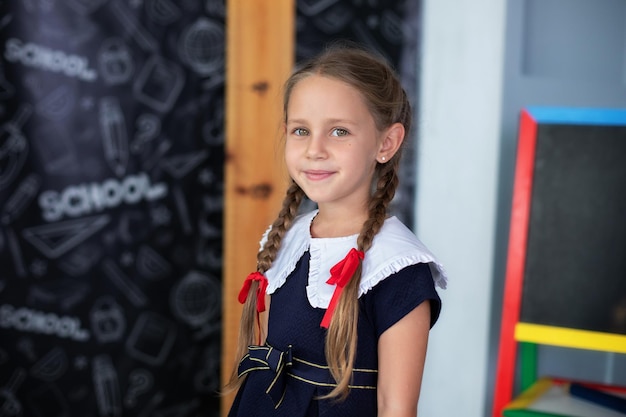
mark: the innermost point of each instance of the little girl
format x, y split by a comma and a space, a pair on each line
337, 315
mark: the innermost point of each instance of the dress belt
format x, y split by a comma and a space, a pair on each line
285, 364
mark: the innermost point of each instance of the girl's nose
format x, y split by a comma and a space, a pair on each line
316, 147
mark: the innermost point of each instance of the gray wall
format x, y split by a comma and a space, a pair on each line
482, 62
459, 129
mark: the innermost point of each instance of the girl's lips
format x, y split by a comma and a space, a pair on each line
316, 175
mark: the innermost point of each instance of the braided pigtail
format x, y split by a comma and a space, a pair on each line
248, 330
283, 222
341, 340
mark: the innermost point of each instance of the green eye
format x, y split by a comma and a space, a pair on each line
300, 131
340, 132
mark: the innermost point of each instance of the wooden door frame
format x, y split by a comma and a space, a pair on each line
260, 38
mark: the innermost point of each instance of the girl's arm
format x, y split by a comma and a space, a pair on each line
401, 356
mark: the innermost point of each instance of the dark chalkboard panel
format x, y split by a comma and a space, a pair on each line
575, 272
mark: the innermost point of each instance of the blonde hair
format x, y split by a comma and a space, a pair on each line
388, 104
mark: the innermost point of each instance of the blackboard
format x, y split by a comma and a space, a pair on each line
575, 268
111, 207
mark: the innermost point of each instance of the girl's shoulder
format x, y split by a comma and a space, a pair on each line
301, 227
293, 245
394, 248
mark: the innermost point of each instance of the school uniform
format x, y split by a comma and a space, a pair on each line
287, 375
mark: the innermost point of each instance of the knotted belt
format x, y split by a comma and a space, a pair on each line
284, 364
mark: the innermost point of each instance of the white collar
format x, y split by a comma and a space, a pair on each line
395, 247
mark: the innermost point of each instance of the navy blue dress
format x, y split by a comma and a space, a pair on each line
294, 322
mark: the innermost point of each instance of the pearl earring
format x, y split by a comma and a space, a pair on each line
382, 158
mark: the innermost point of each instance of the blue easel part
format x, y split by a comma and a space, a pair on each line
578, 115
598, 397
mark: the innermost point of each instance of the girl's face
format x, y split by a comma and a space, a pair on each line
331, 143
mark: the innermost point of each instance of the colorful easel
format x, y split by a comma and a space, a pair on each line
515, 331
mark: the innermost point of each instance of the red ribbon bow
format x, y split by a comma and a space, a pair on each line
260, 292
340, 275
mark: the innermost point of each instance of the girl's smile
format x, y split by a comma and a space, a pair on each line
317, 175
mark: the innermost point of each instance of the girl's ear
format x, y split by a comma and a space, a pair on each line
392, 140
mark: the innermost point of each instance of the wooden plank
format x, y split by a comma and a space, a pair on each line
260, 53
